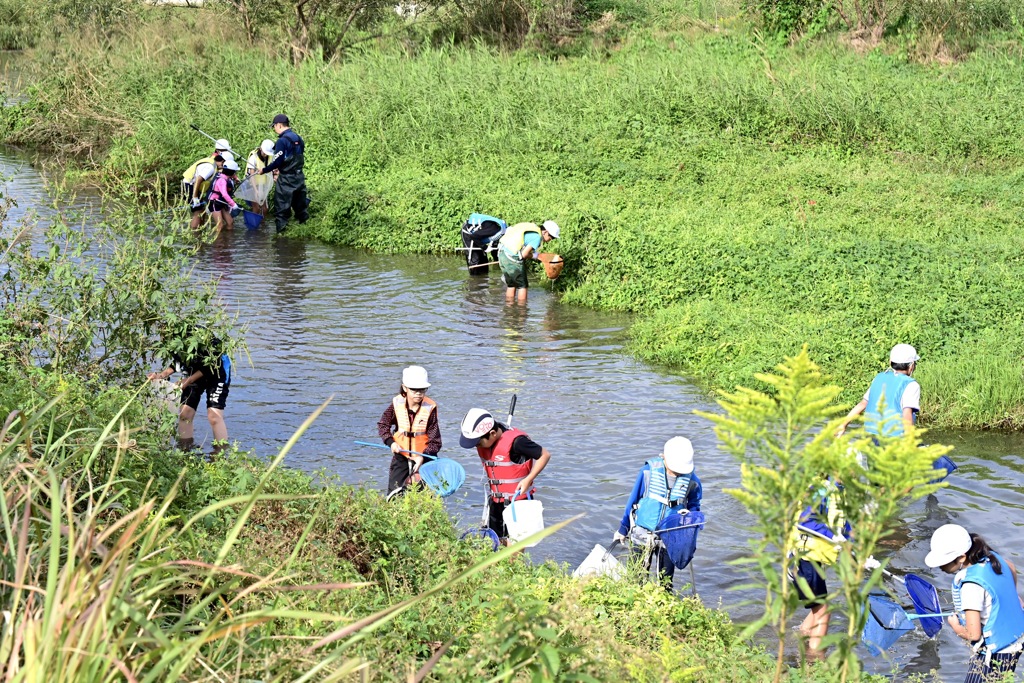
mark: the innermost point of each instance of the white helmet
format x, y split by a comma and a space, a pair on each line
267, 147
415, 377
679, 455
227, 156
552, 228
231, 165
221, 145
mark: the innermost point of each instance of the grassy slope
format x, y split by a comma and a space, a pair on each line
746, 200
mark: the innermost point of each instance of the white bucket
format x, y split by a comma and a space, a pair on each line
600, 562
523, 518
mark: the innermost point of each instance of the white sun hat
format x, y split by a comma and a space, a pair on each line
903, 353
949, 542
415, 377
552, 228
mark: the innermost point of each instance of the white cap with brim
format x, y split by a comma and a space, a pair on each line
903, 353
415, 377
477, 423
230, 165
552, 228
221, 144
228, 156
678, 455
267, 147
949, 542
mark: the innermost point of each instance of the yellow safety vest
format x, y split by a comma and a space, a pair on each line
515, 237
816, 546
189, 176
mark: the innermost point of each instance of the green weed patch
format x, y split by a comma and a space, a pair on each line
745, 200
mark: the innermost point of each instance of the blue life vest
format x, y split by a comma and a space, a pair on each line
1005, 624
657, 502
477, 219
888, 385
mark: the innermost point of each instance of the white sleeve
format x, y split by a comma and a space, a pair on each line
205, 171
911, 397
972, 596
866, 395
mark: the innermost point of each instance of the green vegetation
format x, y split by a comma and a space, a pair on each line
785, 455
125, 560
744, 198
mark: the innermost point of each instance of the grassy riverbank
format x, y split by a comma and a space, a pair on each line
125, 560
302, 557
744, 199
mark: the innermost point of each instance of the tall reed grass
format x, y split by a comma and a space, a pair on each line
744, 199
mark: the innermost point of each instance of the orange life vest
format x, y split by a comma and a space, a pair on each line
412, 437
503, 475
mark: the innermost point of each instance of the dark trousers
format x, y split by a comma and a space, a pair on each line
977, 672
399, 472
289, 196
666, 570
495, 522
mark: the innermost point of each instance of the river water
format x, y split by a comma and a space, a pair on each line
330, 322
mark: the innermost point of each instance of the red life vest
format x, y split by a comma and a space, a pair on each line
412, 437
503, 475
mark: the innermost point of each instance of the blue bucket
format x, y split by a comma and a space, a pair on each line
252, 219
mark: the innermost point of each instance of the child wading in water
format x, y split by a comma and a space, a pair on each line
989, 613
409, 424
222, 206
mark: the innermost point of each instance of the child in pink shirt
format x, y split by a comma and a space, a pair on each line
222, 207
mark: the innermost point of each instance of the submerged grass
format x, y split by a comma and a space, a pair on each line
744, 199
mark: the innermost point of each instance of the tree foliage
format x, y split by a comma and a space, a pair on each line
784, 442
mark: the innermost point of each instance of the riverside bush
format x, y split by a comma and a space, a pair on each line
743, 202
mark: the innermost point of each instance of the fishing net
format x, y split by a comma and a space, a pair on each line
486, 534
678, 533
945, 466
252, 219
926, 601
886, 622
443, 476
553, 264
255, 188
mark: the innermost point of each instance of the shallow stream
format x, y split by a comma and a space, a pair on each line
325, 321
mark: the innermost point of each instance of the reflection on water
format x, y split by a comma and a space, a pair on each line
331, 322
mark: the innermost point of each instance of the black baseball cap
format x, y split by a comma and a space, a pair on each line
280, 118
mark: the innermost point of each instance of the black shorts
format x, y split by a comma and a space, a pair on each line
216, 394
216, 205
815, 581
